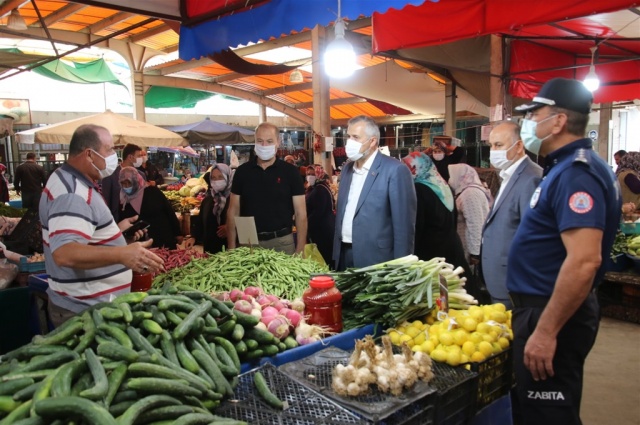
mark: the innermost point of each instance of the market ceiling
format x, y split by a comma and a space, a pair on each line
144, 28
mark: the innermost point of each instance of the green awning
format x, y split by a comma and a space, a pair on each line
93, 72
171, 97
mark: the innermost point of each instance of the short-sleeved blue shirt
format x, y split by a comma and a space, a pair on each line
578, 190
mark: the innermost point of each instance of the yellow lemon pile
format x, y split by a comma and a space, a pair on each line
464, 336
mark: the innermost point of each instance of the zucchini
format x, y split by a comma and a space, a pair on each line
187, 324
164, 413
173, 387
117, 334
127, 314
159, 371
231, 351
246, 320
130, 298
61, 385
115, 379
222, 385
195, 419
141, 406
46, 362
11, 387
66, 407
101, 384
151, 327
18, 413
186, 359
111, 313
117, 352
7, 404
89, 328
263, 389
73, 326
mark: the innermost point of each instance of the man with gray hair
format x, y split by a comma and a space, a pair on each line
376, 213
520, 177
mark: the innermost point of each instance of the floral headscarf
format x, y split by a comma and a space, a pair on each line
220, 198
137, 183
463, 176
424, 171
629, 162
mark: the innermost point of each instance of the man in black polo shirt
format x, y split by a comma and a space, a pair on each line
270, 190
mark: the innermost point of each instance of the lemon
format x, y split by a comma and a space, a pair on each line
405, 338
417, 324
499, 307
485, 348
478, 357
469, 324
464, 358
477, 313
468, 348
439, 355
434, 329
488, 338
428, 347
476, 337
460, 337
416, 347
395, 337
434, 339
497, 348
420, 338
483, 327
487, 310
455, 348
412, 331
445, 338
504, 343
431, 320
453, 358
498, 316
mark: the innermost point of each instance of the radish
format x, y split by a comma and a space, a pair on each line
298, 305
279, 327
278, 305
268, 314
254, 291
243, 306
263, 300
235, 295
257, 313
273, 298
222, 296
293, 316
247, 297
261, 326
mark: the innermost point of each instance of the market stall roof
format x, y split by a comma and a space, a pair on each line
182, 150
208, 131
123, 129
547, 40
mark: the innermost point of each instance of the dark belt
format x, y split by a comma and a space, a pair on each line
346, 245
526, 300
265, 236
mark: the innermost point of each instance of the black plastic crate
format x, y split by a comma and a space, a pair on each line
495, 377
304, 406
457, 388
415, 406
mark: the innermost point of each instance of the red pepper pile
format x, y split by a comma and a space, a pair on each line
174, 258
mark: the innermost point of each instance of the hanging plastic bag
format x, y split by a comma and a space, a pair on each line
234, 162
312, 252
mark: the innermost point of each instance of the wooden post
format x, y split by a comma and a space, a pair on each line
603, 131
321, 107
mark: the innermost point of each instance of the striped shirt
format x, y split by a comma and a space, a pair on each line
72, 210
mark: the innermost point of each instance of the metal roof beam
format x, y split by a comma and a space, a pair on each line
62, 13
9, 5
286, 89
149, 33
332, 102
107, 22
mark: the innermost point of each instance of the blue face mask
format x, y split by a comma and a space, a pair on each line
528, 135
128, 190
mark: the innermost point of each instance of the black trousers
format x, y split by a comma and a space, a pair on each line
555, 400
346, 257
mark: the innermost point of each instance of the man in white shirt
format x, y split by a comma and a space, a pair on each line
376, 211
520, 177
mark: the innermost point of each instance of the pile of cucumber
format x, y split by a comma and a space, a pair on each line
167, 356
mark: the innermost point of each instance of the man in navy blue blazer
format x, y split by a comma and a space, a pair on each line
376, 212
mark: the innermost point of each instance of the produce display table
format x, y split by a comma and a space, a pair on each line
619, 296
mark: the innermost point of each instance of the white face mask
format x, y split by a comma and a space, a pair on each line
218, 185
438, 156
138, 162
353, 150
529, 137
111, 163
311, 180
498, 158
265, 153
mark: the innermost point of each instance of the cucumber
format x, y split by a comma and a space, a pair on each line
187, 324
241, 348
7, 366
18, 413
43, 391
139, 316
101, 384
172, 317
151, 327
195, 419
98, 319
8, 404
85, 381
125, 395
186, 359
231, 351
263, 389
117, 352
164, 413
111, 313
254, 354
222, 385
66, 407
127, 314
27, 392
252, 344
120, 325
158, 371
117, 334
153, 339
73, 326
175, 304
224, 308
36, 420
143, 405
246, 320
238, 332
158, 316
262, 337
270, 349
36, 375
163, 386
130, 298
225, 363
281, 346
118, 409
167, 347
26, 352
115, 379
61, 385
11, 387
227, 327
290, 342
46, 362
89, 328
155, 299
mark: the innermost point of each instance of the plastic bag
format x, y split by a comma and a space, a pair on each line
234, 162
8, 273
311, 251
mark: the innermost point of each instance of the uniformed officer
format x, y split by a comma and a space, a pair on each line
555, 261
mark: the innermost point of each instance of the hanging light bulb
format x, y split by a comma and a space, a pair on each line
591, 81
339, 57
296, 76
16, 21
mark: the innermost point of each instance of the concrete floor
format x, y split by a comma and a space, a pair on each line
611, 393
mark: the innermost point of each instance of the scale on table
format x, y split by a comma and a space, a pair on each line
246, 230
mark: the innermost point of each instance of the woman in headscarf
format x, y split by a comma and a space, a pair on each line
4, 185
213, 209
436, 234
473, 202
150, 205
321, 216
628, 175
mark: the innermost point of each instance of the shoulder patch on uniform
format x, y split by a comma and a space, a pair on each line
581, 156
581, 202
